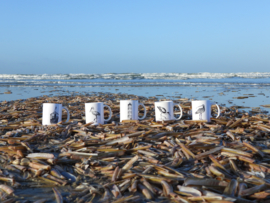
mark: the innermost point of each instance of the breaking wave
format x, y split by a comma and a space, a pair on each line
137, 79
134, 76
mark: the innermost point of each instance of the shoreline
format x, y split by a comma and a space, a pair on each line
245, 97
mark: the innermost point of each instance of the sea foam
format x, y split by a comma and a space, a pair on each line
134, 76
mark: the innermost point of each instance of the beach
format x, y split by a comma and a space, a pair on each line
131, 161
134, 161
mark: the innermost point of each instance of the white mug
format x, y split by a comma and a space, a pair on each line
52, 113
201, 110
129, 110
94, 112
164, 111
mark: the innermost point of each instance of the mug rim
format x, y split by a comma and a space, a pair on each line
94, 103
52, 103
128, 100
163, 101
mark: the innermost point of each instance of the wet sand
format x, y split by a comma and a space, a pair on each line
246, 97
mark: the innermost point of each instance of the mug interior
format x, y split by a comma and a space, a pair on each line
94, 103
50, 104
128, 100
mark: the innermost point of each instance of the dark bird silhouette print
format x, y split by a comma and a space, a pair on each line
95, 113
164, 113
200, 111
54, 116
129, 111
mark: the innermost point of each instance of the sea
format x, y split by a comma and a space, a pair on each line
246, 90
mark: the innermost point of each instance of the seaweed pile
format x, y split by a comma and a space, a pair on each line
226, 160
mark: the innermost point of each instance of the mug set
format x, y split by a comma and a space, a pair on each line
201, 110
94, 112
129, 110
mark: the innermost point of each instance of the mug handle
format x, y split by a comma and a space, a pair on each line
144, 115
68, 116
218, 111
110, 116
181, 110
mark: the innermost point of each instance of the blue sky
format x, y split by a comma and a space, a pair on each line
100, 36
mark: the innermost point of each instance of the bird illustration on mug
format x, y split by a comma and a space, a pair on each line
129, 111
164, 115
54, 116
200, 110
95, 113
